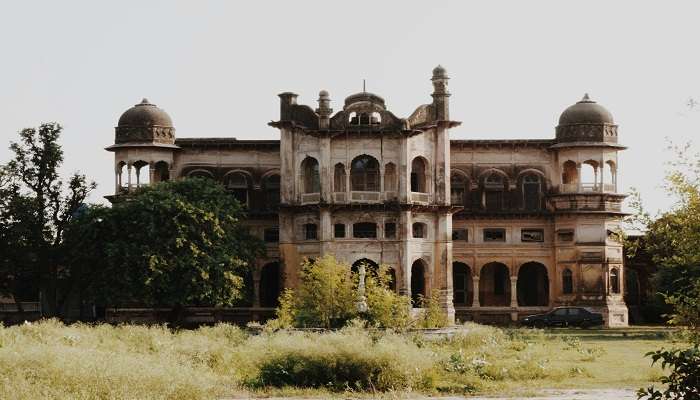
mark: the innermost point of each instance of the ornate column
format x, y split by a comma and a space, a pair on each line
151, 173
475, 296
514, 291
117, 181
578, 177
128, 179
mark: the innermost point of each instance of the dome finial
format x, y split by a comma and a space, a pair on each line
586, 97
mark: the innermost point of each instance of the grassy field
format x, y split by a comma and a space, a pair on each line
49, 360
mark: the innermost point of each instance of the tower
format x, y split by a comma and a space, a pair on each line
587, 209
369, 187
144, 146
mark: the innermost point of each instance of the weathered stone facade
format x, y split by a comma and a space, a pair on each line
498, 228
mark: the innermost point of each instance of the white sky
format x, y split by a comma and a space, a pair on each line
217, 66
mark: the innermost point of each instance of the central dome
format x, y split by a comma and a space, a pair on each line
586, 111
145, 114
365, 96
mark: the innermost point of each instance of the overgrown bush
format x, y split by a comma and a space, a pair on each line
349, 359
432, 315
385, 308
328, 296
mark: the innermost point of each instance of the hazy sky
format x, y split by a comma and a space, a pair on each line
217, 66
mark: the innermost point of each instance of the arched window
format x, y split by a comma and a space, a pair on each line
375, 118
390, 178
364, 174
532, 198
272, 191
494, 186
162, 172
364, 230
567, 283
200, 174
417, 283
589, 176
237, 184
312, 179
458, 189
418, 179
339, 178
121, 177
419, 230
609, 177
614, 281
143, 175
569, 175
352, 118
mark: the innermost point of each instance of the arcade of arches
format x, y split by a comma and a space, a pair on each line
497, 287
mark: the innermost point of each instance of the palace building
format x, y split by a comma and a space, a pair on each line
497, 228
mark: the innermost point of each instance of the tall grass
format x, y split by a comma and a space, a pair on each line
49, 360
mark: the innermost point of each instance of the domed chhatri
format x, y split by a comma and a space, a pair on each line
145, 114
586, 121
439, 72
145, 123
586, 111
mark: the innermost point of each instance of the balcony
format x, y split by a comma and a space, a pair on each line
587, 187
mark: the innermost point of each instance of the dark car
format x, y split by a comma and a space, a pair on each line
564, 316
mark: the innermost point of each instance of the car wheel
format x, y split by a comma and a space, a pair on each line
539, 324
584, 325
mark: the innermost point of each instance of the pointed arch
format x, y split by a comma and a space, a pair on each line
419, 175
311, 178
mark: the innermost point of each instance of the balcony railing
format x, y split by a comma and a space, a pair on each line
587, 187
421, 198
365, 197
310, 198
340, 197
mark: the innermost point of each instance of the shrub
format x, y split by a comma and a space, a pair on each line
349, 359
683, 382
386, 308
327, 297
432, 316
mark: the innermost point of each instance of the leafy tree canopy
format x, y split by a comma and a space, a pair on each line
171, 244
36, 206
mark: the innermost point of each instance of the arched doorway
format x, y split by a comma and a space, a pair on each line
494, 285
270, 285
418, 285
533, 285
461, 284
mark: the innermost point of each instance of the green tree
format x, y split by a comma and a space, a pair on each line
171, 244
37, 207
673, 241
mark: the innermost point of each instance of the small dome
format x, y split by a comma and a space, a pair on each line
586, 111
145, 114
365, 96
439, 72
323, 93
